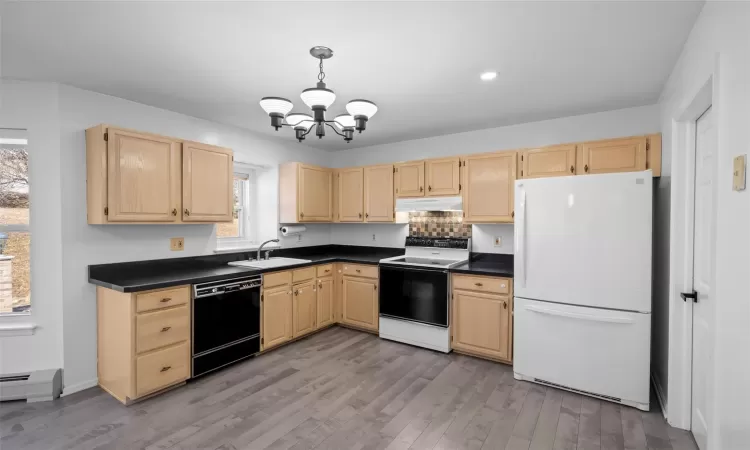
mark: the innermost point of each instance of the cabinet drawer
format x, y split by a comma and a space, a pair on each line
161, 328
359, 270
299, 275
162, 368
482, 284
276, 279
325, 271
162, 299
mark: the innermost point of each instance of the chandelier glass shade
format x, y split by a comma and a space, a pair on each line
319, 99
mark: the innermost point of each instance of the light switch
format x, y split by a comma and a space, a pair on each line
177, 244
498, 241
738, 174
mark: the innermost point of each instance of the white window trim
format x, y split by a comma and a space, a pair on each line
247, 240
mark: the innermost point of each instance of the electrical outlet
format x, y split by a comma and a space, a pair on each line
498, 241
299, 238
373, 238
177, 244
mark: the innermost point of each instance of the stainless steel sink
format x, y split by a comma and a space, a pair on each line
269, 263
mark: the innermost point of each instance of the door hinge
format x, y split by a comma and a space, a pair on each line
106, 136
459, 187
394, 170
648, 145
106, 210
261, 297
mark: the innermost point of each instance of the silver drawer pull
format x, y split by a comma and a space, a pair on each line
165, 329
165, 368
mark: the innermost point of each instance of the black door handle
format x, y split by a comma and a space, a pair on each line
689, 295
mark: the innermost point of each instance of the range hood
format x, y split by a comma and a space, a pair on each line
430, 204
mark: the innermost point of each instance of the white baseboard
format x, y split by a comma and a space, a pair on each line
659, 394
78, 387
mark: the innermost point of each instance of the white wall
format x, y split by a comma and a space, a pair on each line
34, 107
386, 234
718, 46
94, 244
623, 122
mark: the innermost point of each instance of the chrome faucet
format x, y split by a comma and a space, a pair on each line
261, 247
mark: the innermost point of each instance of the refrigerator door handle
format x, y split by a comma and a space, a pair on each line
571, 315
520, 275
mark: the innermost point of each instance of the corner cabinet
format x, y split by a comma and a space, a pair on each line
134, 177
305, 193
488, 187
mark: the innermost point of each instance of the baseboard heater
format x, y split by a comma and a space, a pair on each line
36, 386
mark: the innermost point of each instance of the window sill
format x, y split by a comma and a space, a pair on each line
243, 247
19, 329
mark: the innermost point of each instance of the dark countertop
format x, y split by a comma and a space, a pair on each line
157, 274
487, 264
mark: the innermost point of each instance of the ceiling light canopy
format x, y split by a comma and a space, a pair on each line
319, 99
487, 76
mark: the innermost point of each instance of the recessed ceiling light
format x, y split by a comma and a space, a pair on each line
487, 76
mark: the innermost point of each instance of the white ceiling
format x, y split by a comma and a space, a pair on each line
419, 61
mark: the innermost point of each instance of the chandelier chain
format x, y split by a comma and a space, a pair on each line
322, 74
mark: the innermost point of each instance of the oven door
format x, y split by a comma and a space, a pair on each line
415, 294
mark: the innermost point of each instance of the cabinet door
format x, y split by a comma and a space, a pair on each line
207, 183
555, 161
488, 190
410, 179
360, 303
277, 316
614, 155
351, 195
143, 179
305, 308
481, 323
315, 189
325, 302
443, 176
379, 193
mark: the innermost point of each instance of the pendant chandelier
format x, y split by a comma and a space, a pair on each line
319, 99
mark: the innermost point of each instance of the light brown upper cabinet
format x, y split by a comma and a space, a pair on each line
488, 191
613, 155
409, 179
207, 183
555, 161
443, 176
379, 193
351, 195
141, 177
305, 193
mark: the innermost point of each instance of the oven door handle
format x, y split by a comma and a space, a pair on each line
418, 269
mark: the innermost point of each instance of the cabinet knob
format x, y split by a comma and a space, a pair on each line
572, 169
187, 212
358, 270
512, 214
174, 211
302, 215
327, 270
375, 287
360, 215
165, 368
505, 304
421, 188
478, 284
367, 215
165, 329
429, 188
586, 168
165, 300
296, 292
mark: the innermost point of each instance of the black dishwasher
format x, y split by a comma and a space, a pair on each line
226, 323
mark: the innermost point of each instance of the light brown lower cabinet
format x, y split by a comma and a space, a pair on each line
277, 316
325, 302
483, 321
305, 308
360, 302
143, 344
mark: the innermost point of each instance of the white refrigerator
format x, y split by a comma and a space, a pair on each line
582, 284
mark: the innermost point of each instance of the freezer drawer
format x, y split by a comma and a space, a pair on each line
602, 352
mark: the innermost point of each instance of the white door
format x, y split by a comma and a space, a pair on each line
703, 245
585, 240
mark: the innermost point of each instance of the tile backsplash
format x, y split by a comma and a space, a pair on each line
438, 224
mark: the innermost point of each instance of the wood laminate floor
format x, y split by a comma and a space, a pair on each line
342, 389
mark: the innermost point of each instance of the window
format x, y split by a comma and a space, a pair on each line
15, 236
241, 230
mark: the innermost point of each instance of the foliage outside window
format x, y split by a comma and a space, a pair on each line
15, 236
